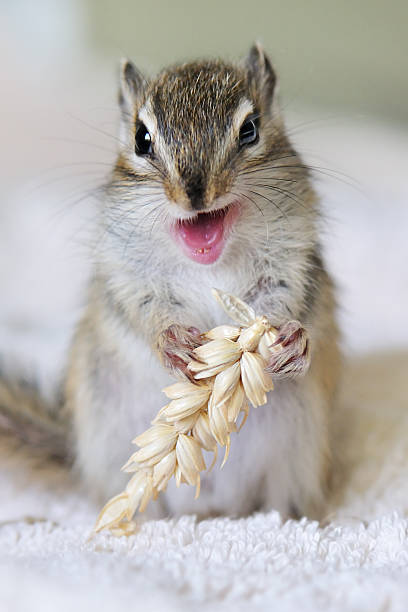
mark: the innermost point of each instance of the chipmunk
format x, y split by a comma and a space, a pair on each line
207, 191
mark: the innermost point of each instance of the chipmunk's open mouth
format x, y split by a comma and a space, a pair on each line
203, 237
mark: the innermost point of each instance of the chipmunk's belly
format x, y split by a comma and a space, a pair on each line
126, 397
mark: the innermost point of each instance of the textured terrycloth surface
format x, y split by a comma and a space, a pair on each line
255, 563
356, 561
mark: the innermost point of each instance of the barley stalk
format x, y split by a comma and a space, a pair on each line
229, 371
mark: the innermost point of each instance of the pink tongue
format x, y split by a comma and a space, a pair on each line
203, 232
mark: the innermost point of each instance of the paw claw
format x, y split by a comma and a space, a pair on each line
294, 357
176, 345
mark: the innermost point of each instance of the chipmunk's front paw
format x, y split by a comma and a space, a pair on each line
176, 345
291, 356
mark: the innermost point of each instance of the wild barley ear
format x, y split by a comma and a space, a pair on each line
261, 73
199, 415
131, 85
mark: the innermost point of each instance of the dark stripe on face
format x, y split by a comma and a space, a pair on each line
194, 108
195, 190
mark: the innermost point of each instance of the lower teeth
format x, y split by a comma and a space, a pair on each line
201, 251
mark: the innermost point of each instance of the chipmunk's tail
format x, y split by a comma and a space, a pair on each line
25, 413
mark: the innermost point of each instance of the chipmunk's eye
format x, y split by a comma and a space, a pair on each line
248, 134
143, 141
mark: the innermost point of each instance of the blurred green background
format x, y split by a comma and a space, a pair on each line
347, 55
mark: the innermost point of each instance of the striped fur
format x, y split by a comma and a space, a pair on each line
143, 283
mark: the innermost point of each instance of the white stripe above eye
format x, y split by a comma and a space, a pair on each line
147, 117
245, 108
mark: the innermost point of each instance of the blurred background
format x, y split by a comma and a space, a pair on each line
343, 70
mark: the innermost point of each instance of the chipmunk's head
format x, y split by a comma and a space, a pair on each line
199, 142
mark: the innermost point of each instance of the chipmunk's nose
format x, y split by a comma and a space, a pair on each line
195, 190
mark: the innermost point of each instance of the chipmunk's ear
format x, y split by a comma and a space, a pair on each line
132, 84
261, 73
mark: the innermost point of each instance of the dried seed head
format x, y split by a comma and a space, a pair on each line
235, 308
218, 352
147, 496
265, 347
223, 331
181, 390
219, 426
157, 432
189, 458
201, 414
152, 453
225, 383
164, 470
202, 433
250, 337
113, 512
235, 403
136, 490
184, 406
179, 478
203, 370
185, 425
254, 378
124, 528
226, 454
